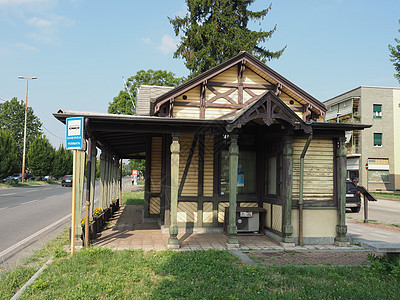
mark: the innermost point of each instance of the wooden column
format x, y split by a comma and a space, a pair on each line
102, 202
93, 176
286, 189
341, 228
78, 179
233, 169
173, 241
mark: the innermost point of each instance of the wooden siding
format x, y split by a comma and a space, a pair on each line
190, 188
276, 222
187, 212
267, 207
248, 204
208, 178
186, 112
318, 169
230, 75
221, 211
154, 207
155, 173
207, 212
250, 77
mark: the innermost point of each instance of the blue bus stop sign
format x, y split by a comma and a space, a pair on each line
74, 133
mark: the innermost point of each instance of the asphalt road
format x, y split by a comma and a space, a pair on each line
30, 214
381, 211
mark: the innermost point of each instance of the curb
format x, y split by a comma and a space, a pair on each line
30, 281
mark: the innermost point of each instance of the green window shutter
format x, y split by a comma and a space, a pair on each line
377, 108
377, 139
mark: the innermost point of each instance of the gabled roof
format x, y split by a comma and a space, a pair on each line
254, 64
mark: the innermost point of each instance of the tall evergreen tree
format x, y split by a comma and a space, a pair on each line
122, 104
40, 157
63, 162
12, 119
8, 154
214, 31
395, 57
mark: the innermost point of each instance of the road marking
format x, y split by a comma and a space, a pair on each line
8, 194
26, 240
29, 202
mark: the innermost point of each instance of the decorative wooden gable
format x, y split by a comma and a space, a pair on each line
232, 86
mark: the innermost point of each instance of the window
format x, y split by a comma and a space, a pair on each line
377, 111
271, 175
377, 139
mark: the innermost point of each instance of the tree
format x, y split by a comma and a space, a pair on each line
122, 104
214, 31
8, 154
63, 161
137, 164
395, 57
12, 119
40, 157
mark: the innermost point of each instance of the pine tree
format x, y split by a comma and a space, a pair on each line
8, 154
40, 157
395, 57
214, 31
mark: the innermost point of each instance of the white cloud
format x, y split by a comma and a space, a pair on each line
147, 41
47, 29
168, 44
27, 47
39, 22
22, 2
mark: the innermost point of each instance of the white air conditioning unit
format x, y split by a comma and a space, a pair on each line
247, 221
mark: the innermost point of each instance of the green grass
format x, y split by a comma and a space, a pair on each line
387, 195
12, 280
133, 274
133, 198
27, 183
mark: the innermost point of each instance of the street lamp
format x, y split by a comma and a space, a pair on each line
26, 109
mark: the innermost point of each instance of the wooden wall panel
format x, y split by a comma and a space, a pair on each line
277, 218
214, 113
186, 112
221, 211
318, 169
190, 188
251, 77
230, 75
192, 95
154, 206
208, 178
248, 204
187, 212
155, 172
207, 212
267, 207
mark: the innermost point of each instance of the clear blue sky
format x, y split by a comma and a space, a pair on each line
80, 49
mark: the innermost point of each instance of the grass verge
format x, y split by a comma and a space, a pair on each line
133, 274
133, 198
387, 195
12, 280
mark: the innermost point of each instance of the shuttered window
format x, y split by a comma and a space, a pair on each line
378, 139
377, 110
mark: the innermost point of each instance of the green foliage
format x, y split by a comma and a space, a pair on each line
384, 265
12, 119
8, 154
214, 31
40, 157
137, 164
122, 104
63, 162
132, 198
395, 57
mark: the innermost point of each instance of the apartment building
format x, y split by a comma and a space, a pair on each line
373, 155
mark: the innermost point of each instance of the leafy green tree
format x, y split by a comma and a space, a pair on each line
63, 162
12, 119
8, 154
137, 164
40, 157
214, 31
122, 104
395, 57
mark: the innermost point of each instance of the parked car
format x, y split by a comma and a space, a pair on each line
14, 177
66, 180
353, 198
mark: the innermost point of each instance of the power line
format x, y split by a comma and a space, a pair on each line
53, 134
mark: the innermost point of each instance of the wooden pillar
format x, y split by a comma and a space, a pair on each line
286, 189
233, 171
173, 241
78, 178
341, 228
92, 177
102, 202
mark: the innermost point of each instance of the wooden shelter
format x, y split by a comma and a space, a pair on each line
237, 138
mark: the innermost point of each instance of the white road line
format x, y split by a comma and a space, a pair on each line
4, 208
26, 240
7, 194
29, 202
